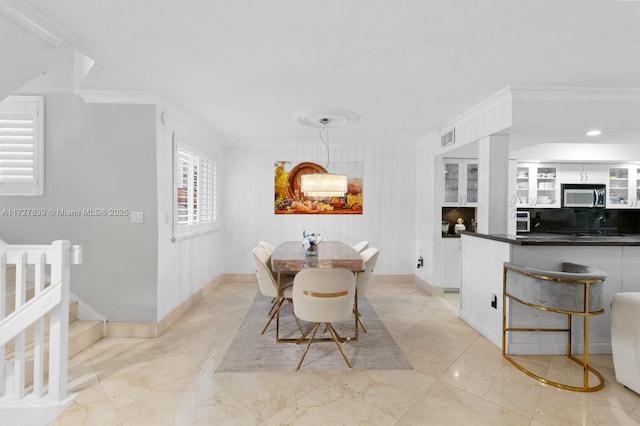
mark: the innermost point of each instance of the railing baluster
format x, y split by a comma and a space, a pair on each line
38, 332
14, 326
19, 342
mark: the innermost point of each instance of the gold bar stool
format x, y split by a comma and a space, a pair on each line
576, 290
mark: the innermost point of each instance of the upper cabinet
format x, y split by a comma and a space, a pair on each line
524, 183
460, 182
582, 173
537, 185
623, 186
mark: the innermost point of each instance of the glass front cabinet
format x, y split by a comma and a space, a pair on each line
537, 185
460, 182
623, 186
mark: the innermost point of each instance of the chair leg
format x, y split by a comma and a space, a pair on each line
294, 315
273, 314
336, 339
315, 330
306, 333
359, 319
273, 308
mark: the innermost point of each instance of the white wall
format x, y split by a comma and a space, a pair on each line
428, 216
98, 157
184, 266
388, 216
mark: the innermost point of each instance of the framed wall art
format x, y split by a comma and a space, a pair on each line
290, 199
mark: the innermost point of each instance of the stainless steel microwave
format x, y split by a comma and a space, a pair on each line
583, 195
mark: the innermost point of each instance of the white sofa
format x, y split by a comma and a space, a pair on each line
625, 338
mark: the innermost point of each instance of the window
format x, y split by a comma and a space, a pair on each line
195, 208
22, 145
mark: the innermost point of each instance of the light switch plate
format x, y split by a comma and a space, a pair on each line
137, 217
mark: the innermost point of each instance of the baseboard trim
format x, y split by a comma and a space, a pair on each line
431, 290
392, 279
155, 329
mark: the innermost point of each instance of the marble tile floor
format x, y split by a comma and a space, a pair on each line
459, 378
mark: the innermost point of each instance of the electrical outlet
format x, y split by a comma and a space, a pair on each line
494, 301
420, 262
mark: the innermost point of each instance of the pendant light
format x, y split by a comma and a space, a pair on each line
324, 184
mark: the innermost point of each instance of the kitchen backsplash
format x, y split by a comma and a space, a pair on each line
451, 215
588, 220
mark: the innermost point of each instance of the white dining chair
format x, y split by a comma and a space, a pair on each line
267, 245
268, 285
323, 296
362, 245
370, 259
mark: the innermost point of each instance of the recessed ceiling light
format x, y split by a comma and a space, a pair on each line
594, 132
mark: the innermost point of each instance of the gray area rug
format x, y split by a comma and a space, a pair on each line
251, 352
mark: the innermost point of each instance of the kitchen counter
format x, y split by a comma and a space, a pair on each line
482, 258
538, 239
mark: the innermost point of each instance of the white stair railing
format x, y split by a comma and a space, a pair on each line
53, 300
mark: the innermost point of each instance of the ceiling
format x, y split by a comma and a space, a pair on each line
406, 68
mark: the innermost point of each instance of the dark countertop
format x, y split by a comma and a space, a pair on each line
539, 239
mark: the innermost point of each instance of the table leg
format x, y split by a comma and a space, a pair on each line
356, 314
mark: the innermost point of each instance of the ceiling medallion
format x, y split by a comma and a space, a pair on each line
326, 117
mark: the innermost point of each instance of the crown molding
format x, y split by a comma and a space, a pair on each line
577, 94
35, 22
167, 113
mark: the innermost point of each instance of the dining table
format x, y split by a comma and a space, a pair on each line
291, 257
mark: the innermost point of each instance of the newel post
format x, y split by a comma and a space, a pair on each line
59, 328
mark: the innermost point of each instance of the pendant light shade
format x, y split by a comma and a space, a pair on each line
323, 185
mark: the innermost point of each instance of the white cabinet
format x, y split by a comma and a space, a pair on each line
537, 185
460, 182
582, 173
623, 186
524, 185
451, 274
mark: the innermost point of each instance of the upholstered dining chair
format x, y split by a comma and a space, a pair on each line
267, 245
268, 285
362, 245
323, 296
370, 258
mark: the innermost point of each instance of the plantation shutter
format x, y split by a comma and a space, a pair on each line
21, 145
183, 186
195, 190
207, 195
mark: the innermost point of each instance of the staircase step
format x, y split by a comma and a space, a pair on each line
73, 315
84, 333
11, 306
